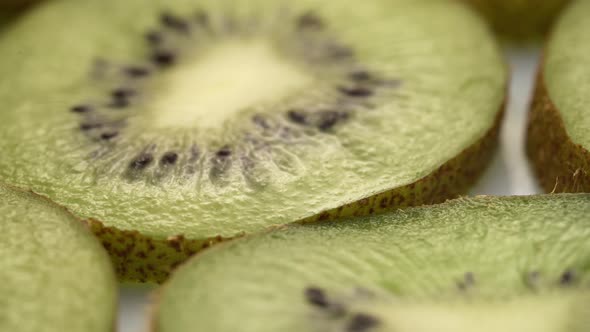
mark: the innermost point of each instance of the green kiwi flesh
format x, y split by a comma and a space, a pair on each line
511, 264
559, 135
191, 123
55, 275
520, 20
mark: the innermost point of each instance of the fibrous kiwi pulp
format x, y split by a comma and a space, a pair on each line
196, 122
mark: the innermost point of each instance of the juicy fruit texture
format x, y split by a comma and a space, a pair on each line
559, 139
520, 19
55, 275
195, 122
483, 264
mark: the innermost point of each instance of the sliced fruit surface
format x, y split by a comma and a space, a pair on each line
559, 128
520, 19
193, 121
510, 264
55, 275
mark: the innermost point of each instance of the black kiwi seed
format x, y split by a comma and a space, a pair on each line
141, 162
567, 278
90, 126
328, 119
119, 103
154, 38
169, 158
317, 297
122, 93
362, 322
136, 72
356, 92
223, 152
81, 109
309, 20
109, 135
163, 58
297, 117
221, 163
360, 76
174, 22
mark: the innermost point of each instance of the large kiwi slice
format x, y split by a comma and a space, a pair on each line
520, 19
515, 264
559, 124
55, 276
191, 123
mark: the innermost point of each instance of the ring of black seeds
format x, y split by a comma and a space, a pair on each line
96, 119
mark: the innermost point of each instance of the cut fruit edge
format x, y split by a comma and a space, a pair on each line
139, 258
560, 164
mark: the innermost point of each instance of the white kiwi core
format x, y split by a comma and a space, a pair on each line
234, 76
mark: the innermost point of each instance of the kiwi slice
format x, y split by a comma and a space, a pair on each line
520, 20
558, 135
55, 275
192, 123
483, 264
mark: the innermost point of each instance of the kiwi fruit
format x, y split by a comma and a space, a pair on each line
559, 122
55, 275
194, 122
520, 20
489, 264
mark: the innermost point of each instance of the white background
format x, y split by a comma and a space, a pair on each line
509, 174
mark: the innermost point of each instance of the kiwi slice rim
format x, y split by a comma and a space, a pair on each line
329, 301
144, 245
561, 163
54, 267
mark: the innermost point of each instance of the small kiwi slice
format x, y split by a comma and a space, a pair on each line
514, 264
55, 276
520, 20
191, 123
559, 122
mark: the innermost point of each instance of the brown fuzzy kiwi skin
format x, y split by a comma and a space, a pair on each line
138, 258
561, 165
519, 20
